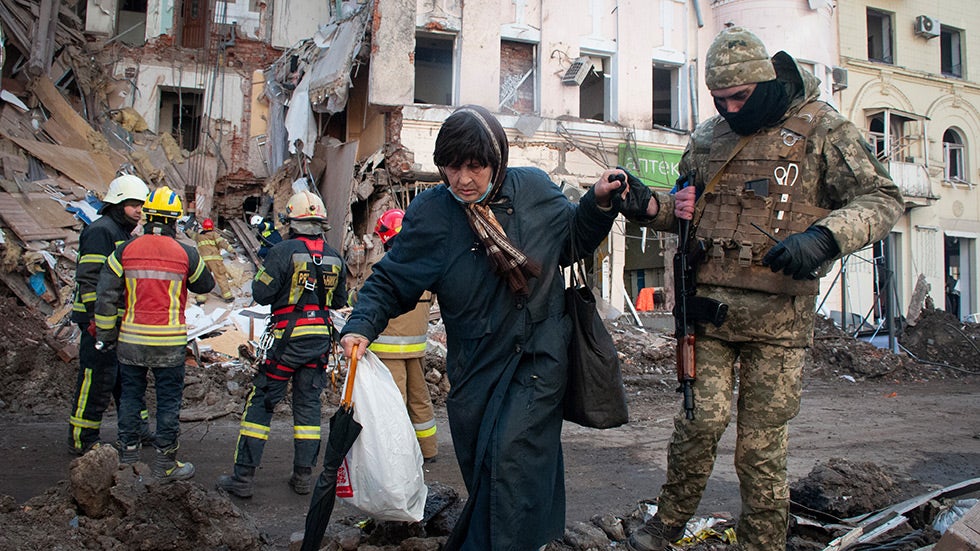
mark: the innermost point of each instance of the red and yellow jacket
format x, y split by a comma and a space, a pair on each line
148, 278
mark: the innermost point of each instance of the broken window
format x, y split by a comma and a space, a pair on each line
880, 36
517, 62
434, 68
950, 52
131, 24
666, 87
895, 135
180, 115
595, 93
953, 154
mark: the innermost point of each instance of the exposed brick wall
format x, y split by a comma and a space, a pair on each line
516, 58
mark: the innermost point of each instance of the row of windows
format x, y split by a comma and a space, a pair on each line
881, 42
434, 80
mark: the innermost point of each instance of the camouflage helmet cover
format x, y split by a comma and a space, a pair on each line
737, 57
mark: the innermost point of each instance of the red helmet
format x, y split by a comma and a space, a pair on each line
389, 225
207, 224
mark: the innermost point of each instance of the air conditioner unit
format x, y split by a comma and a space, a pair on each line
926, 26
839, 75
575, 75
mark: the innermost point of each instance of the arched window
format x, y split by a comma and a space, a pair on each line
954, 155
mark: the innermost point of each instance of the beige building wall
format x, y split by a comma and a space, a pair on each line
938, 236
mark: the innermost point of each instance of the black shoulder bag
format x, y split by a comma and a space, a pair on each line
595, 396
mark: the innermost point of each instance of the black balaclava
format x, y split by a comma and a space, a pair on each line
118, 215
765, 107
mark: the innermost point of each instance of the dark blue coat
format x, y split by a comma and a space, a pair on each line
507, 355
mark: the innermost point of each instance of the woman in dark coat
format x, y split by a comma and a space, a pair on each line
490, 243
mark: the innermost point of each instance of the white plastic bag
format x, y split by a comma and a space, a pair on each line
382, 474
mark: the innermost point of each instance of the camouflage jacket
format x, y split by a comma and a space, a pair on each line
838, 172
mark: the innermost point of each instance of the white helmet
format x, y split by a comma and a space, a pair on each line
256, 220
125, 187
306, 205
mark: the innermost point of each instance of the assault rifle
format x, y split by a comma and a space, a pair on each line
688, 308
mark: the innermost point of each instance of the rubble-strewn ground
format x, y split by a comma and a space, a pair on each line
875, 429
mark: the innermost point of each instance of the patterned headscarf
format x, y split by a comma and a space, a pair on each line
506, 259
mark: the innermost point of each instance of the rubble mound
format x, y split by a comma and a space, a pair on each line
122, 507
845, 489
939, 337
835, 353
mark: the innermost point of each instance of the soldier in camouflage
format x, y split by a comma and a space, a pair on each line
779, 161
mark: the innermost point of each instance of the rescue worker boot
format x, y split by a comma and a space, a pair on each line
240, 483
302, 480
167, 469
654, 536
128, 454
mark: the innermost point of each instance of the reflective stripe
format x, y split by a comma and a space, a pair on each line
92, 259
306, 432
211, 258
84, 423
391, 339
197, 273
88, 297
154, 274
105, 322
113, 263
381, 347
154, 329
255, 430
424, 430
304, 331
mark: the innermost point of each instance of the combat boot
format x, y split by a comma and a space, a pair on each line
238, 484
302, 480
128, 454
654, 536
167, 469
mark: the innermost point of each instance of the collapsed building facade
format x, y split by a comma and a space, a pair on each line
231, 102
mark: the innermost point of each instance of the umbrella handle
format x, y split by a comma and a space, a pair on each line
351, 370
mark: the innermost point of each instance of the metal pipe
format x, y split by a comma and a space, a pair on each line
697, 12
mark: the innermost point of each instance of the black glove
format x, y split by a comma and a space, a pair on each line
799, 255
634, 207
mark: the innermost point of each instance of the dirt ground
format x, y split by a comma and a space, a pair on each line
871, 415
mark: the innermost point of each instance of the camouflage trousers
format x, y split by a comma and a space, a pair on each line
769, 387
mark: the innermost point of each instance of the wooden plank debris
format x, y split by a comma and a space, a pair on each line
250, 242
24, 223
89, 169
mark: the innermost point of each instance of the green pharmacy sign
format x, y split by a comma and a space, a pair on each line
656, 166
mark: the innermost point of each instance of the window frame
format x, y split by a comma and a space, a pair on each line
885, 31
951, 39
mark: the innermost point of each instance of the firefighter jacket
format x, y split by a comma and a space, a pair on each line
95, 244
405, 336
301, 279
785, 178
149, 278
209, 245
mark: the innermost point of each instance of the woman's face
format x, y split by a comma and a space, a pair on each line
469, 180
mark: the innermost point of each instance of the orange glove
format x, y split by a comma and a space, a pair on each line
91, 328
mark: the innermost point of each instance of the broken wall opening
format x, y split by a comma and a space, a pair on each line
131, 22
517, 88
595, 91
434, 69
180, 115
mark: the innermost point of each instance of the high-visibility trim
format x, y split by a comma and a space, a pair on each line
153, 274
105, 322
211, 258
163, 330
255, 430
82, 400
425, 433
207, 242
145, 340
382, 347
305, 331
84, 423
88, 297
115, 265
306, 432
92, 258
197, 272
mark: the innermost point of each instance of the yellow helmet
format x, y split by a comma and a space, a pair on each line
304, 205
163, 202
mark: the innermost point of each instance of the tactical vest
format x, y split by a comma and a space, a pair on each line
763, 184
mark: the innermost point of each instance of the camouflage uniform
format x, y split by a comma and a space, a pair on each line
766, 333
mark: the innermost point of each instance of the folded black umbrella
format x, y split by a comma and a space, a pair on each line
343, 432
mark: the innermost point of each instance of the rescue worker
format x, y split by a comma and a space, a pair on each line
778, 158
147, 279
402, 348
269, 236
302, 278
209, 246
98, 371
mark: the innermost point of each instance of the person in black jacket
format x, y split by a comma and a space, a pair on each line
490, 243
98, 370
302, 278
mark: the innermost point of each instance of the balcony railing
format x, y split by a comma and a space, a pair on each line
912, 179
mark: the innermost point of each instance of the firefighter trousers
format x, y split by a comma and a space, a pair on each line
308, 383
221, 277
410, 378
98, 383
